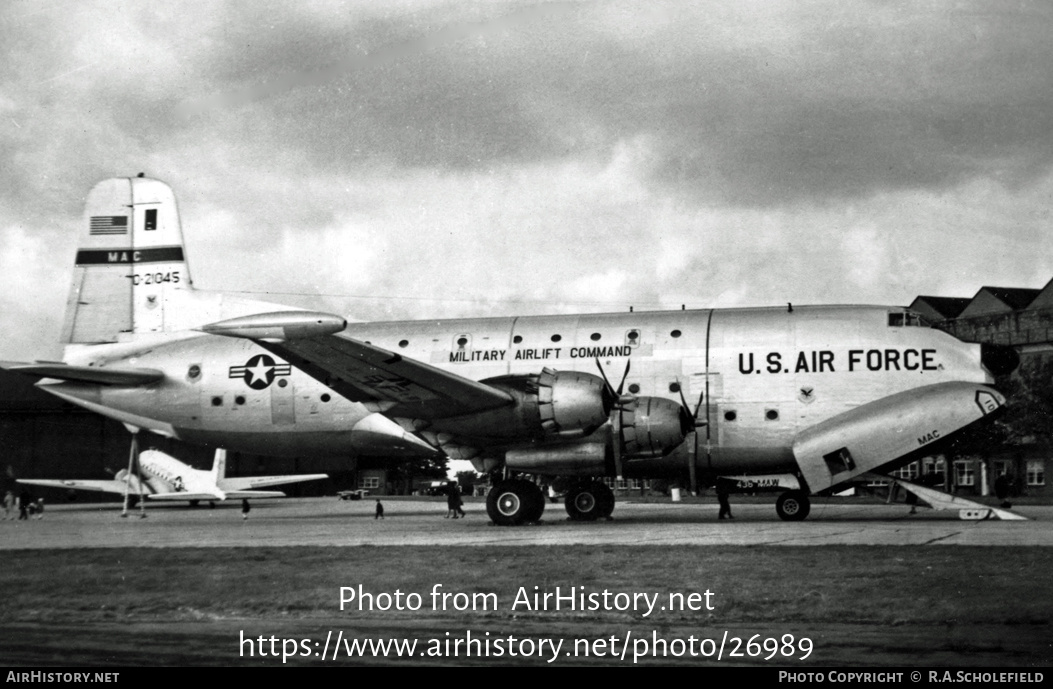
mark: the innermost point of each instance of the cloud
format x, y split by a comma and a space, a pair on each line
461, 159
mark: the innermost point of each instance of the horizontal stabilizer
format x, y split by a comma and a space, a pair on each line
278, 327
88, 374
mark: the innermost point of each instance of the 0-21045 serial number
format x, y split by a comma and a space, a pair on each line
154, 278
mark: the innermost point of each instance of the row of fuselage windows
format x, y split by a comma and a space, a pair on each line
632, 338
895, 319
217, 400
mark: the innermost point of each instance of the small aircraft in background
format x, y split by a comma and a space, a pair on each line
163, 477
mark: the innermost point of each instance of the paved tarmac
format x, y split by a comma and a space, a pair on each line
410, 522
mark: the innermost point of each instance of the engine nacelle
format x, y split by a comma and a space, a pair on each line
652, 427
565, 459
567, 404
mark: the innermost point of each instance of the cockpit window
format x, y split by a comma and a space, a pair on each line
899, 319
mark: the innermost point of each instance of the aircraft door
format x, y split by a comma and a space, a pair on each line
283, 403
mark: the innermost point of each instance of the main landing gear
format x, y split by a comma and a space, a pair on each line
589, 501
793, 505
515, 501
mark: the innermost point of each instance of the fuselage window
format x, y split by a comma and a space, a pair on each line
772, 415
675, 334
557, 338
594, 337
217, 401
730, 415
907, 318
634, 388
517, 339
674, 387
326, 397
403, 343
239, 400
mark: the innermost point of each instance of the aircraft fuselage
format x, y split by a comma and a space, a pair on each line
762, 375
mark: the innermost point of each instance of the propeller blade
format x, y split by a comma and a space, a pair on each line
628, 363
698, 406
688, 420
606, 382
617, 398
616, 441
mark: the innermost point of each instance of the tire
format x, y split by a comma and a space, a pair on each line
587, 502
793, 506
514, 502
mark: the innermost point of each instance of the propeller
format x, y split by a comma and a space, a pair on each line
616, 397
688, 420
618, 402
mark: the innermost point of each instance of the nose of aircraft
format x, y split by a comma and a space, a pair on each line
999, 359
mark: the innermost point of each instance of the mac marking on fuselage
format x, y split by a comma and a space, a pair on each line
804, 399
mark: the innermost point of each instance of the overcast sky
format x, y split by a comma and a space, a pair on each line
441, 159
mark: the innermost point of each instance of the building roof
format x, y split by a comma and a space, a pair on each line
945, 307
1014, 297
993, 300
1044, 300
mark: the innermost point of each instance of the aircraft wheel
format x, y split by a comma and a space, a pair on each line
793, 505
588, 502
195, 503
515, 502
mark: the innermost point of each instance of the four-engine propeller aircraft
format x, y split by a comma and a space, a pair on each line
797, 399
163, 477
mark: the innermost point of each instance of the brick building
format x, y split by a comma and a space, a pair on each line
1022, 318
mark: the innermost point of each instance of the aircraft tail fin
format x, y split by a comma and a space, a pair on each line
130, 262
219, 466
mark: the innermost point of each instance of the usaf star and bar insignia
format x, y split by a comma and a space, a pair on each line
260, 371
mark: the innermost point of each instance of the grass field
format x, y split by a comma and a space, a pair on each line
863, 606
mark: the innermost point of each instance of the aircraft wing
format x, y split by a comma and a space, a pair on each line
242, 494
362, 372
243, 483
184, 496
87, 374
100, 486
214, 497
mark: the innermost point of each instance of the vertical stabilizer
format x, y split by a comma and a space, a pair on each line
129, 262
219, 466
